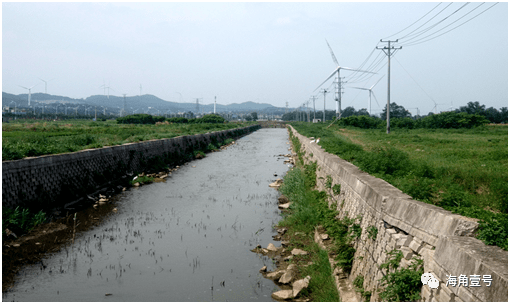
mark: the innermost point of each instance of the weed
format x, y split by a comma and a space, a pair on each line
142, 180
337, 189
20, 220
329, 181
403, 285
358, 283
372, 232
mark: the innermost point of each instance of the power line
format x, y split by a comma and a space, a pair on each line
420, 41
432, 26
415, 21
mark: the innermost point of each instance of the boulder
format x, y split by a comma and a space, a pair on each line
296, 251
275, 275
282, 295
282, 199
271, 247
286, 277
263, 269
284, 206
300, 285
277, 183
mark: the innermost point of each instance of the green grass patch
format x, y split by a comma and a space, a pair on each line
142, 180
26, 138
20, 221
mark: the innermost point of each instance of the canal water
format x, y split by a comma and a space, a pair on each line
187, 239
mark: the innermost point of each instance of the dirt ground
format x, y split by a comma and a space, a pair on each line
45, 239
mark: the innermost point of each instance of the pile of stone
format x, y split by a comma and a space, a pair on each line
286, 276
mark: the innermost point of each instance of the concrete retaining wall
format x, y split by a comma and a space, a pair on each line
54, 180
441, 239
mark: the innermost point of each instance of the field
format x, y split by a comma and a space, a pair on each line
25, 138
462, 170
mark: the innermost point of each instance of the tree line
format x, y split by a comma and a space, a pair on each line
473, 114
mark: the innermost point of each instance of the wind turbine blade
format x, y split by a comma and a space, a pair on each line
332, 54
376, 82
23, 87
360, 88
375, 98
332, 74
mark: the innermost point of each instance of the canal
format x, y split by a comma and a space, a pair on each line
186, 239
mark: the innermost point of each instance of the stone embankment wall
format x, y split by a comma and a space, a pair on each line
441, 239
51, 181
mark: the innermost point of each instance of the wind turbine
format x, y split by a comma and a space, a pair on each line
338, 81
105, 88
46, 85
29, 92
370, 93
435, 106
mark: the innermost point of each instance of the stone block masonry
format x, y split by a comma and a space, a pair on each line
52, 181
444, 241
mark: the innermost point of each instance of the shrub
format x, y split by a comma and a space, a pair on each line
452, 120
140, 119
177, 120
210, 118
363, 121
402, 285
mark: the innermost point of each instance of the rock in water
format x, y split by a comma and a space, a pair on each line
271, 247
286, 277
282, 295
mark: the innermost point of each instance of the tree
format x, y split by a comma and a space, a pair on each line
396, 111
349, 111
254, 116
473, 108
362, 112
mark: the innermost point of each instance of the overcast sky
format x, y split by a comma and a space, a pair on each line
259, 51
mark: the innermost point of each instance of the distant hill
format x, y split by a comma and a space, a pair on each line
140, 104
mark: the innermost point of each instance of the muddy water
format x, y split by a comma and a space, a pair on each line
188, 239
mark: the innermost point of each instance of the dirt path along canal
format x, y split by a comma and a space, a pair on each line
187, 239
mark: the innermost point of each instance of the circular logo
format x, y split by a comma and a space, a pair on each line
426, 277
433, 283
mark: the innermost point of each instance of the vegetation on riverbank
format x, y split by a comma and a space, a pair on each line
461, 170
26, 138
20, 221
310, 210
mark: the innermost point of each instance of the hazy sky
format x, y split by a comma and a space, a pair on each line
258, 51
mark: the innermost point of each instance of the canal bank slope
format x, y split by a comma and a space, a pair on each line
392, 220
52, 181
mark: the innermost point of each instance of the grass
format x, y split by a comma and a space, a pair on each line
26, 138
20, 221
309, 209
462, 170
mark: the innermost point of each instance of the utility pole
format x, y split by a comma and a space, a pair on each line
307, 105
324, 113
124, 109
389, 50
313, 97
